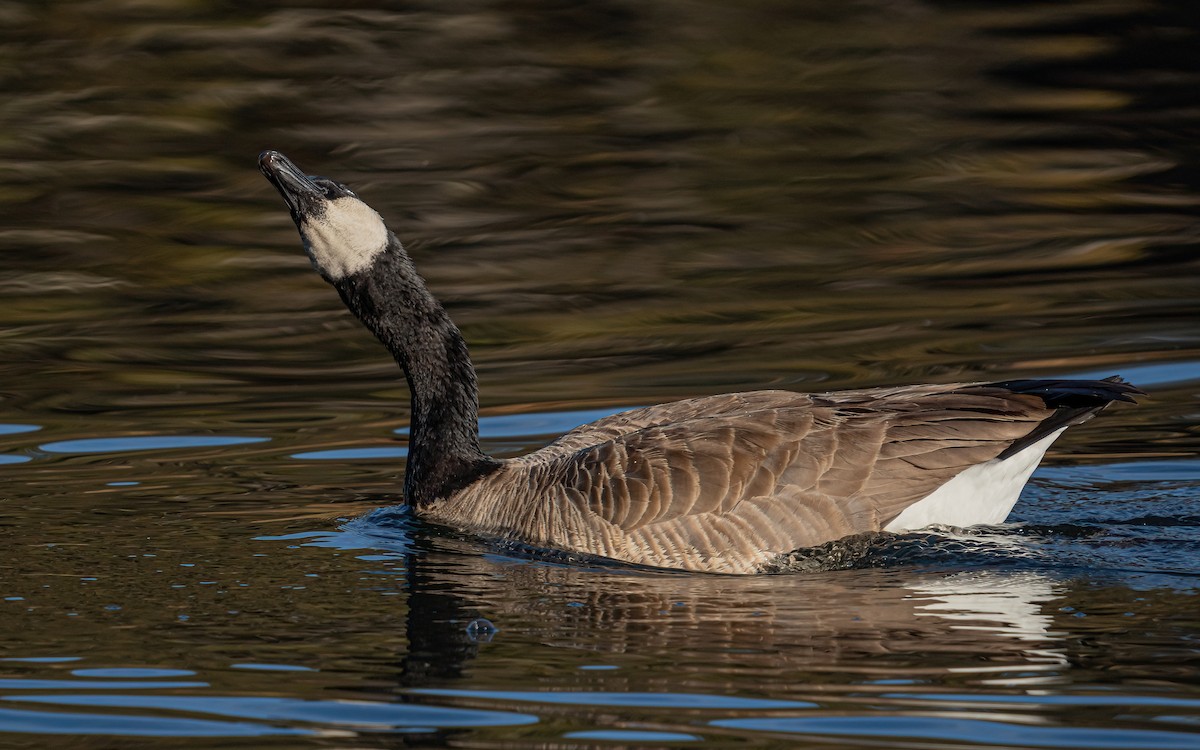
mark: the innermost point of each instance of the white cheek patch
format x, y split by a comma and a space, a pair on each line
345, 239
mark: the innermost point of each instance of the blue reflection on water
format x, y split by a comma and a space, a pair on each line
146, 443
132, 673
631, 735
46, 722
17, 683
1159, 373
16, 429
967, 730
537, 424
389, 535
1148, 471
42, 659
1123, 699
393, 716
525, 426
272, 667
342, 454
649, 700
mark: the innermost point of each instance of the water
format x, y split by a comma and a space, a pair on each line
620, 204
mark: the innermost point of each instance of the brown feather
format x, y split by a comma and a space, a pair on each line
728, 483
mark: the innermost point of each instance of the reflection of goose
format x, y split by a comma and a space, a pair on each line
1009, 604
724, 483
1006, 605
880, 623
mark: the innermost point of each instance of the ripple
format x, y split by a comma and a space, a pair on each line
1123, 700
344, 454
132, 673
17, 429
974, 731
1164, 373
1175, 471
23, 684
272, 667
538, 423
42, 659
56, 722
978, 546
644, 700
629, 735
392, 716
146, 443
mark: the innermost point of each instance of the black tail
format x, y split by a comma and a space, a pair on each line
1074, 401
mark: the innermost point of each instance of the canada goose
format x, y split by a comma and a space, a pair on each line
721, 483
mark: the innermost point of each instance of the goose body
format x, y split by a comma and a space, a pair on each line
720, 484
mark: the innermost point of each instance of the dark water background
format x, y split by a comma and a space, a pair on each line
620, 203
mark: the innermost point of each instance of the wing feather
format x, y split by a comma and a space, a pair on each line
727, 483
778, 470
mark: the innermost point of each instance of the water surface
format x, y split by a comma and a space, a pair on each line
620, 204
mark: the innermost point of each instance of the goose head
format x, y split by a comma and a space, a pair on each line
341, 234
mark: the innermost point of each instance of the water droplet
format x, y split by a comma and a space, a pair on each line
481, 630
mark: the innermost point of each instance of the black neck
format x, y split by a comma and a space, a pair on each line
391, 299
